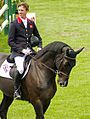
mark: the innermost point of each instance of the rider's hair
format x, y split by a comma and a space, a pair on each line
25, 5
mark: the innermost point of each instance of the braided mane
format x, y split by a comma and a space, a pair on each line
55, 46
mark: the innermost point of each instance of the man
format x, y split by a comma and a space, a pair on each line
20, 33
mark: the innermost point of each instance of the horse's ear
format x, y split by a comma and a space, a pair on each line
78, 51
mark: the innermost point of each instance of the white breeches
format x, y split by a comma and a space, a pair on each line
19, 63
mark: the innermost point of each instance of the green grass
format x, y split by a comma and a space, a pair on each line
67, 21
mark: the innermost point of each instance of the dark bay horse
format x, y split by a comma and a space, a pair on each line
39, 85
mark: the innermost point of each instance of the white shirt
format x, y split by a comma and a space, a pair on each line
24, 22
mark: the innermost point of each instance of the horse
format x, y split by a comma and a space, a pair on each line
39, 85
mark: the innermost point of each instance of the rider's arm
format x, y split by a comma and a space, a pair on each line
36, 33
12, 38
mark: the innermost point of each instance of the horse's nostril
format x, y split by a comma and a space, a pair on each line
60, 84
63, 83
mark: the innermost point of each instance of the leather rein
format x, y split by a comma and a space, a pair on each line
54, 71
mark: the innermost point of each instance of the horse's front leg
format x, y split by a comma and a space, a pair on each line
46, 104
38, 109
6, 102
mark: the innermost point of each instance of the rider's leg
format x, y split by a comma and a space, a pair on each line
18, 75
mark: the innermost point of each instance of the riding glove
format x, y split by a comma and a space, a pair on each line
26, 51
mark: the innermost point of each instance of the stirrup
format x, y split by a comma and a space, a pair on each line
17, 95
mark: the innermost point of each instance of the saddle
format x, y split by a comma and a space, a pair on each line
8, 67
13, 69
26, 62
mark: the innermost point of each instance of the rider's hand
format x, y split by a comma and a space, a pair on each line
26, 51
39, 48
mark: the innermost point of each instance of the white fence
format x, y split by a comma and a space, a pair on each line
2, 10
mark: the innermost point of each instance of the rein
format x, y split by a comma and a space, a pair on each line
44, 65
56, 72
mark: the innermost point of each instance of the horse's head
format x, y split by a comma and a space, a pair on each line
65, 63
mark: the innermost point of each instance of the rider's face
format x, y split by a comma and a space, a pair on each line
22, 12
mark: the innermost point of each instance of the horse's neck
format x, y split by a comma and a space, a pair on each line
40, 72
42, 76
45, 65
48, 59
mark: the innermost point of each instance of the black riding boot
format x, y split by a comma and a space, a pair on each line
17, 83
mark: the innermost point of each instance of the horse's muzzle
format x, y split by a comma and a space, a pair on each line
63, 83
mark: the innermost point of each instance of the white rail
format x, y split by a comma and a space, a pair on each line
3, 9
3, 25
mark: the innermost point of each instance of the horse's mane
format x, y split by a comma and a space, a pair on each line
55, 46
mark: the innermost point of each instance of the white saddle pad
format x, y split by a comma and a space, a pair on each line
5, 69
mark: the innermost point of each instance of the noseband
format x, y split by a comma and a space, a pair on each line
60, 72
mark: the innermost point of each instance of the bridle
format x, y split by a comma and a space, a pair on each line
55, 71
60, 72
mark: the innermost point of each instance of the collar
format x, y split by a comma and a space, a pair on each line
19, 19
24, 20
